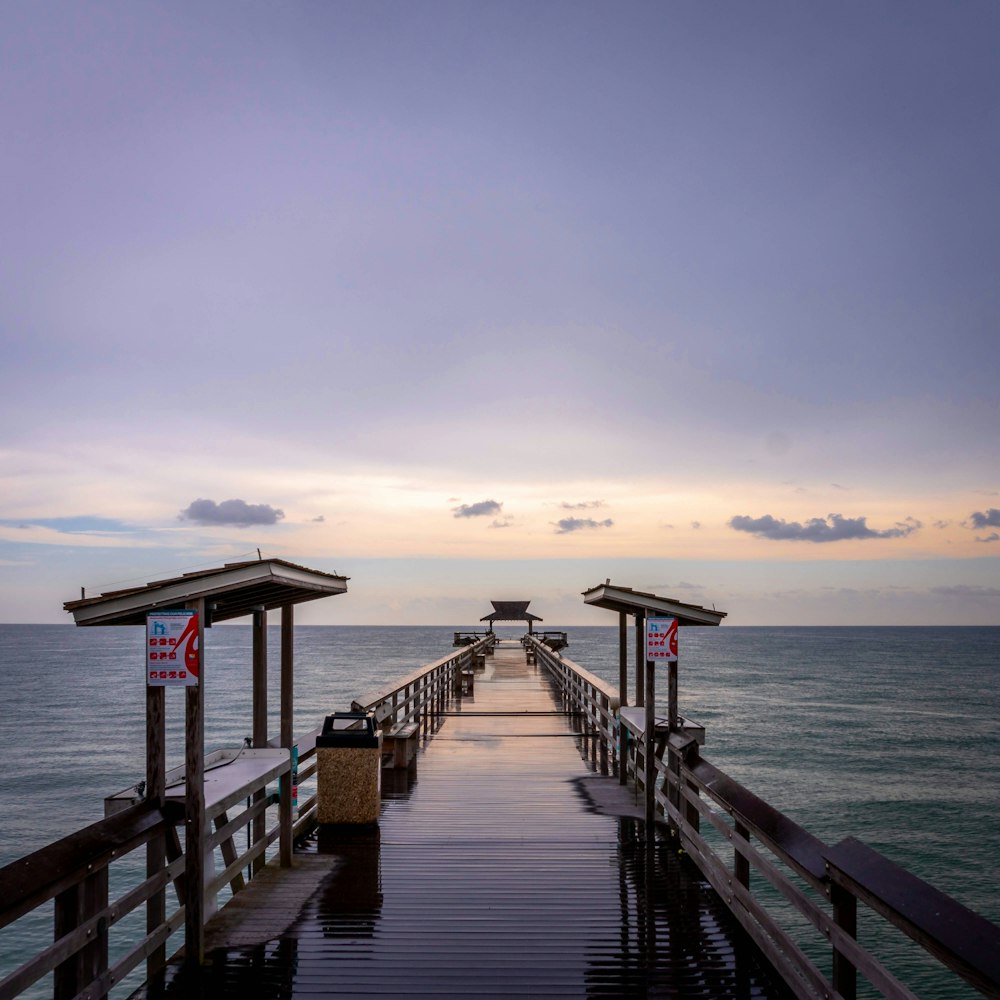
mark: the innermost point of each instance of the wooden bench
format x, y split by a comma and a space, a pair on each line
401, 742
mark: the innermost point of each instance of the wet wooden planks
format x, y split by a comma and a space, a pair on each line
509, 868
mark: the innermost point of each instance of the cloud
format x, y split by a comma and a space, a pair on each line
319, 519
833, 528
484, 508
972, 591
696, 525
504, 522
583, 505
990, 538
71, 525
941, 524
985, 518
235, 512
569, 524
837, 486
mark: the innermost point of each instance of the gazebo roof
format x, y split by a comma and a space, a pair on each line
233, 590
510, 611
632, 602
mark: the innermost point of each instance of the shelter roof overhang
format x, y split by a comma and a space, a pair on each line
631, 602
510, 611
233, 591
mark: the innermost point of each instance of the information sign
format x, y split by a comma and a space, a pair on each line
661, 639
172, 654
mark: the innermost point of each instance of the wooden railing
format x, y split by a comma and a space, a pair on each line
591, 700
75, 873
419, 696
776, 867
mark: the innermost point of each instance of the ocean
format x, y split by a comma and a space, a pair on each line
891, 735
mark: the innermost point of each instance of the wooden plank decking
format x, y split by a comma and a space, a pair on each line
509, 867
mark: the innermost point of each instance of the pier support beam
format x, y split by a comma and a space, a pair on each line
259, 715
287, 738
194, 795
640, 657
156, 769
650, 748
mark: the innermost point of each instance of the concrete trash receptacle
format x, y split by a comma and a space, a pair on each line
349, 769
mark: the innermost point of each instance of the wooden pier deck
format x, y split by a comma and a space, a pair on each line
508, 866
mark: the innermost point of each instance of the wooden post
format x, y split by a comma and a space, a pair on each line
640, 656
673, 759
623, 658
741, 864
259, 826
73, 907
845, 916
650, 743
156, 905
287, 738
673, 723
259, 678
194, 795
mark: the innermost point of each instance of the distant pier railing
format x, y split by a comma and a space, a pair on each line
419, 696
769, 851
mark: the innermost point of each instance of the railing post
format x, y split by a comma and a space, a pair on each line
72, 908
845, 916
741, 864
623, 751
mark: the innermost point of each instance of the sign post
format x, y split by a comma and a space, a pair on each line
661, 647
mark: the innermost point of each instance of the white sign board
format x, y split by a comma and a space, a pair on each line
661, 639
172, 654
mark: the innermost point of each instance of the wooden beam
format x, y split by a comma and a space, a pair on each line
287, 707
194, 796
640, 657
260, 679
622, 658
156, 905
650, 747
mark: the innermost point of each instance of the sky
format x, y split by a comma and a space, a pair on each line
498, 300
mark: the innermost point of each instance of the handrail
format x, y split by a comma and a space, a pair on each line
427, 683
689, 789
74, 873
30, 881
582, 673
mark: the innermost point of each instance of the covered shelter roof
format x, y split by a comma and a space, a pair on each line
510, 611
631, 602
231, 591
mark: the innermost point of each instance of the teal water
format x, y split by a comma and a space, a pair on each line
888, 734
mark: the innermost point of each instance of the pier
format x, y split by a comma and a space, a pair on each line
538, 832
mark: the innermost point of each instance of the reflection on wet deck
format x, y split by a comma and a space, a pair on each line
505, 864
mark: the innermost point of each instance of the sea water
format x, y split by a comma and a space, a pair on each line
888, 734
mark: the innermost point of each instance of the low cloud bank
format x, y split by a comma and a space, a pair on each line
832, 528
238, 513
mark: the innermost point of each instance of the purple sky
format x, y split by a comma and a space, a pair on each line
702, 297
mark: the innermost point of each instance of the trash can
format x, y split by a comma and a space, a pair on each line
349, 769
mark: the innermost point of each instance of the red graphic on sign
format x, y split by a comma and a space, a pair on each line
189, 640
